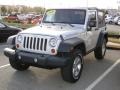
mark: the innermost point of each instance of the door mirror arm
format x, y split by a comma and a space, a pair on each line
89, 28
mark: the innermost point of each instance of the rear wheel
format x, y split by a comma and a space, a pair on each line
18, 66
99, 52
72, 71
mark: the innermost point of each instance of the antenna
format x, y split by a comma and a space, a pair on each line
87, 3
43, 12
44, 6
44, 3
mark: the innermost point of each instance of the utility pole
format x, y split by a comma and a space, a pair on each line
118, 2
44, 3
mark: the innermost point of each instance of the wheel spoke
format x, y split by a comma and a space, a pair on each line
76, 67
103, 48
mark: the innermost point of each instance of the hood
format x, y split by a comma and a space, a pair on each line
56, 30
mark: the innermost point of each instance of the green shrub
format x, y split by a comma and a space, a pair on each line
19, 25
113, 33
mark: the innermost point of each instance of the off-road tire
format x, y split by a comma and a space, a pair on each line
99, 52
67, 72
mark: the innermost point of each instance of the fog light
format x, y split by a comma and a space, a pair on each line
35, 60
53, 50
19, 57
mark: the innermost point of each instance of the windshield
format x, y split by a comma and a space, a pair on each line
70, 16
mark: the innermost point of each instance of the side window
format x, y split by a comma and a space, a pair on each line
92, 16
2, 25
101, 19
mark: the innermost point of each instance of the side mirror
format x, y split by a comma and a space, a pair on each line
92, 23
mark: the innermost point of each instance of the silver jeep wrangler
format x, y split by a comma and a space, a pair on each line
60, 41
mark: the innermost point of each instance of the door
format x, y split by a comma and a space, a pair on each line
92, 32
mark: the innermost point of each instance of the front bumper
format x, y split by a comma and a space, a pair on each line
34, 59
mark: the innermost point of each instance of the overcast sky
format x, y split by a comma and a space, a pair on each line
63, 3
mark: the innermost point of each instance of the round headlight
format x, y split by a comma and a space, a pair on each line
19, 38
53, 42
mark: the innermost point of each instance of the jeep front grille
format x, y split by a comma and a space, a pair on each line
35, 43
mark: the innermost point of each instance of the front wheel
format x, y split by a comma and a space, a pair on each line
99, 52
18, 66
72, 72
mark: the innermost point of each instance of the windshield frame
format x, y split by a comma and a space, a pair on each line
43, 21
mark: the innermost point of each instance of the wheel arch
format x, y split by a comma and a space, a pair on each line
11, 40
71, 44
81, 46
103, 35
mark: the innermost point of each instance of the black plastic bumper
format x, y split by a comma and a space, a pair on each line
38, 60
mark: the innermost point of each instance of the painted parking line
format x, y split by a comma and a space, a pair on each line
4, 66
100, 78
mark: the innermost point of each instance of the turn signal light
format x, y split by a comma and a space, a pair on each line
17, 46
52, 50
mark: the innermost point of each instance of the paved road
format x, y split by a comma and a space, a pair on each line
96, 74
42, 79
3, 60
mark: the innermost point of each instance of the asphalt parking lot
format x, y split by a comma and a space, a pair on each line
97, 75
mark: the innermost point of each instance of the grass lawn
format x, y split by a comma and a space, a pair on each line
113, 33
20, 25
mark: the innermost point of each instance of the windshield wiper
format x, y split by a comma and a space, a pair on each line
53, 23
71, 25
49, 22
67, 23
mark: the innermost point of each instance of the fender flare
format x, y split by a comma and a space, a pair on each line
69, 44
11, 40
103, 34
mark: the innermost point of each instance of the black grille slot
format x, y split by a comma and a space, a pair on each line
34, 43
41, 45
31, 40
27, 42
38, 43
24, 42
45, 44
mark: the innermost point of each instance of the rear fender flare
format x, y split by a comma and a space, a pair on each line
103, 35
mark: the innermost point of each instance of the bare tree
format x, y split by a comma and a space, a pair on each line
3, 10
